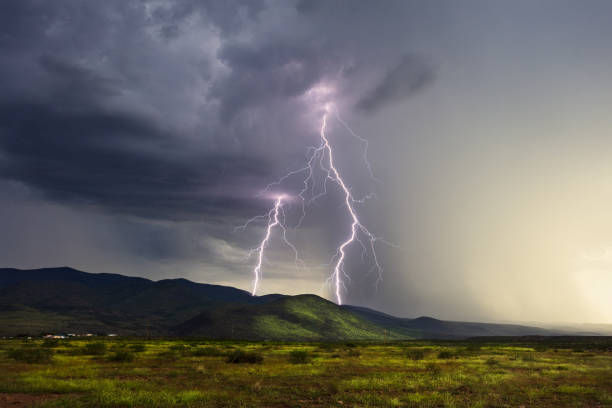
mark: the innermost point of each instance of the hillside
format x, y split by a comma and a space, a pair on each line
430, 328
64, 299
67, 300
303, 317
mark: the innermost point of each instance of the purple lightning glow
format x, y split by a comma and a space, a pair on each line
356, 225
320, 160
274, 220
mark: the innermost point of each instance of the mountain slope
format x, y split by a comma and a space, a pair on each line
65, 299
68, 300
302, 317
430, 328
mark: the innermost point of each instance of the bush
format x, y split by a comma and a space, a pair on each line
299, 357
445, 354
241, 356
332, 388
168, 355
491, 361
328, 347
353, 353
138, 348
528, 357
207, 352
473, 347
50, 343
415, 354
31, 355
433, 369
122, 356
94, 349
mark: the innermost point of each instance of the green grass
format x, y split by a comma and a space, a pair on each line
198, 373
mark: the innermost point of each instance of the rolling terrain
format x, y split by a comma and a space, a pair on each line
65, 300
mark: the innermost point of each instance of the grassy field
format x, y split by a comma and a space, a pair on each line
189, 373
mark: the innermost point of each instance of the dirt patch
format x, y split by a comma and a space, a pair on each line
25, 400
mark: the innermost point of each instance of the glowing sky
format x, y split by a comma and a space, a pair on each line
136, 135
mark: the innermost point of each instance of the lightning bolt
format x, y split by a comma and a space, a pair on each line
320, 160
356, 226
276, 218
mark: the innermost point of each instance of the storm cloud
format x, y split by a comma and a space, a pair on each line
410, 76
136, 135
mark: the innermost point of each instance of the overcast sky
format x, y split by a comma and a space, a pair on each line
136, 135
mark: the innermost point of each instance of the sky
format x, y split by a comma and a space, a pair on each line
136, 135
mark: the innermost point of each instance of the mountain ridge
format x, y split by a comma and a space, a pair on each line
65, 299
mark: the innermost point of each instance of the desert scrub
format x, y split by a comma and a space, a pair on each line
299, 357
473, 348
31, 355
168, 355
122, 356
445, 354
138, 348
433, 369
208, 352
492, 362
179, 348
50, 343
94, 349
415, 354
241, 356
328, 347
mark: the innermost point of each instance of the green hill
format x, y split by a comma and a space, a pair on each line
64, 300
303, 317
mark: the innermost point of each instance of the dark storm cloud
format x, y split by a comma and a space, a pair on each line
229, 16
61, 133
118, 162
151, 126
410, 76
266, 73
72, 85
96, 97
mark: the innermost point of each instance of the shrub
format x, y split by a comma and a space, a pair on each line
528, 357
50, 343
473, 347
168, 355
207, 352
241, 356
328, 347
122, 356
94, 349
491, 362
445, 354
332, 388
433, 369
353, 353
138, 348
299, 357
31, 355
415, 354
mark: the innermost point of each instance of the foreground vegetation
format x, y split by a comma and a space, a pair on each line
200, 373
